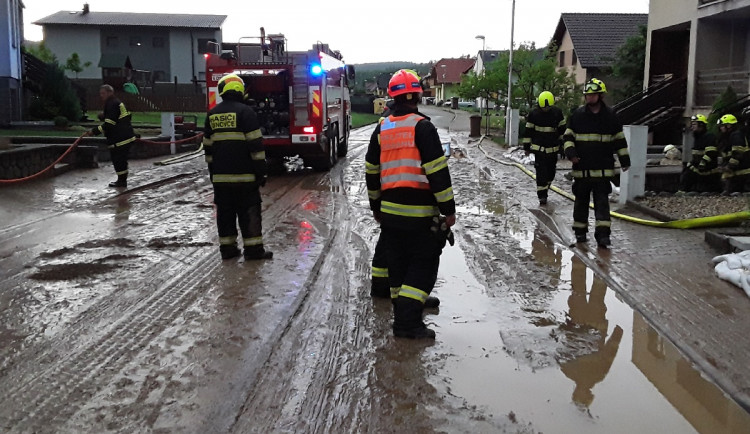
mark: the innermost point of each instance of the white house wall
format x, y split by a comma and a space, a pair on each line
11, 37
66, 40
566, 46
183, 51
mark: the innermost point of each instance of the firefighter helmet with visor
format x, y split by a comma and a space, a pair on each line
231, 83
727, 120
404, 81
594, 86
699, 118
546, 99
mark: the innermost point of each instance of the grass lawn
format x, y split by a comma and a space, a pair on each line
74, 131
153, 118
362, 119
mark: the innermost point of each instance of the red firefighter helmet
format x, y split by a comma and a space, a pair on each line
402, 82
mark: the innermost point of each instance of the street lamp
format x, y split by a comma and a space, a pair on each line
442, 91
510, 75
484, 99
482, 38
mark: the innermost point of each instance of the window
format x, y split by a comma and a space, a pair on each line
575, 58
562, 59
206, 46
112, 41
158, 42
135, 41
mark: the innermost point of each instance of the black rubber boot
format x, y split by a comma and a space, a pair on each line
229, 252
431, 302
122, 181
253, 254
604, 242
407, 321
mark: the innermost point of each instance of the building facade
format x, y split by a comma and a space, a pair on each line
705, 41
11, 61
121, 46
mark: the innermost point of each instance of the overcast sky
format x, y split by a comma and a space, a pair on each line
366, 31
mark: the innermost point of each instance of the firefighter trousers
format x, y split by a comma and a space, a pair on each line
239, 204
735, 183
584, 189
380, 287
413, 258
545, 165
691, 180
119, 156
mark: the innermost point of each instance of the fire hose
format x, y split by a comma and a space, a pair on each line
700, 222
75, 144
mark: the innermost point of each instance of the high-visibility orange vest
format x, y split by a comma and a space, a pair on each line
400, 162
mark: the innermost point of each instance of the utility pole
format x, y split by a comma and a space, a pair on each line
510, 75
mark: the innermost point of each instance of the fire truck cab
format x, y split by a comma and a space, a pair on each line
301, 98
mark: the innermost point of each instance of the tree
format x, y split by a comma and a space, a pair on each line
629, 64
74, 64
42, 53
56, 96
533, 70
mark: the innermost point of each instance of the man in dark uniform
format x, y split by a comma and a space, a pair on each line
735, 145
700, 174
237, 164
545, 126
594, 134
409, 187
118, 130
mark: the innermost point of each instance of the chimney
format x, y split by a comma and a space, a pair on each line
85, 8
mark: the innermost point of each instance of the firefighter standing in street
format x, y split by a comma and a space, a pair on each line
545, 126
700, 174
118, 130
409, 187
380, 287
237, 165
594, 134
737, 169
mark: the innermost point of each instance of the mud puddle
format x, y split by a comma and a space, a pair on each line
580, 361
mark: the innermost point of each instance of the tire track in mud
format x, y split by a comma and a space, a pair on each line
46, 397
320, 402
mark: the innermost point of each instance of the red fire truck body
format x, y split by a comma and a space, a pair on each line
301, 98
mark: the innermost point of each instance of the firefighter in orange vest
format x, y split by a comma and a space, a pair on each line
411, 196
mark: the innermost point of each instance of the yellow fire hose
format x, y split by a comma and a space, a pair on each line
701, 222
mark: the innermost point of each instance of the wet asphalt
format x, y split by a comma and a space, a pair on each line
116, 315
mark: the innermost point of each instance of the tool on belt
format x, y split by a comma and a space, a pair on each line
440, 228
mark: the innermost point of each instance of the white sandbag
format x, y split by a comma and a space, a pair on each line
735, 268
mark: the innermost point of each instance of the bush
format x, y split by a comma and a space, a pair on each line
61, 122
56, 97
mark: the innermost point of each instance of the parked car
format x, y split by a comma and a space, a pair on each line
466, 104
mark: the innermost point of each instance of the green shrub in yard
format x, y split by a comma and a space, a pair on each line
61, 122
56, 97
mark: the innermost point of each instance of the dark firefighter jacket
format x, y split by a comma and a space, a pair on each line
736, 146
233, 145
116, 127
594, 138
406, 207
544, 131
705, 156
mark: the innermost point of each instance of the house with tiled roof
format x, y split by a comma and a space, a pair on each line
446, 75
166, 47
587, 42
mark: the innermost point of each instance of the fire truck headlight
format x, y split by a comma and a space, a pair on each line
316, 70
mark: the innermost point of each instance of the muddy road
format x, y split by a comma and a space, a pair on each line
116, 315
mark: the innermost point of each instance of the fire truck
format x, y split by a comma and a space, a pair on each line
301, 97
